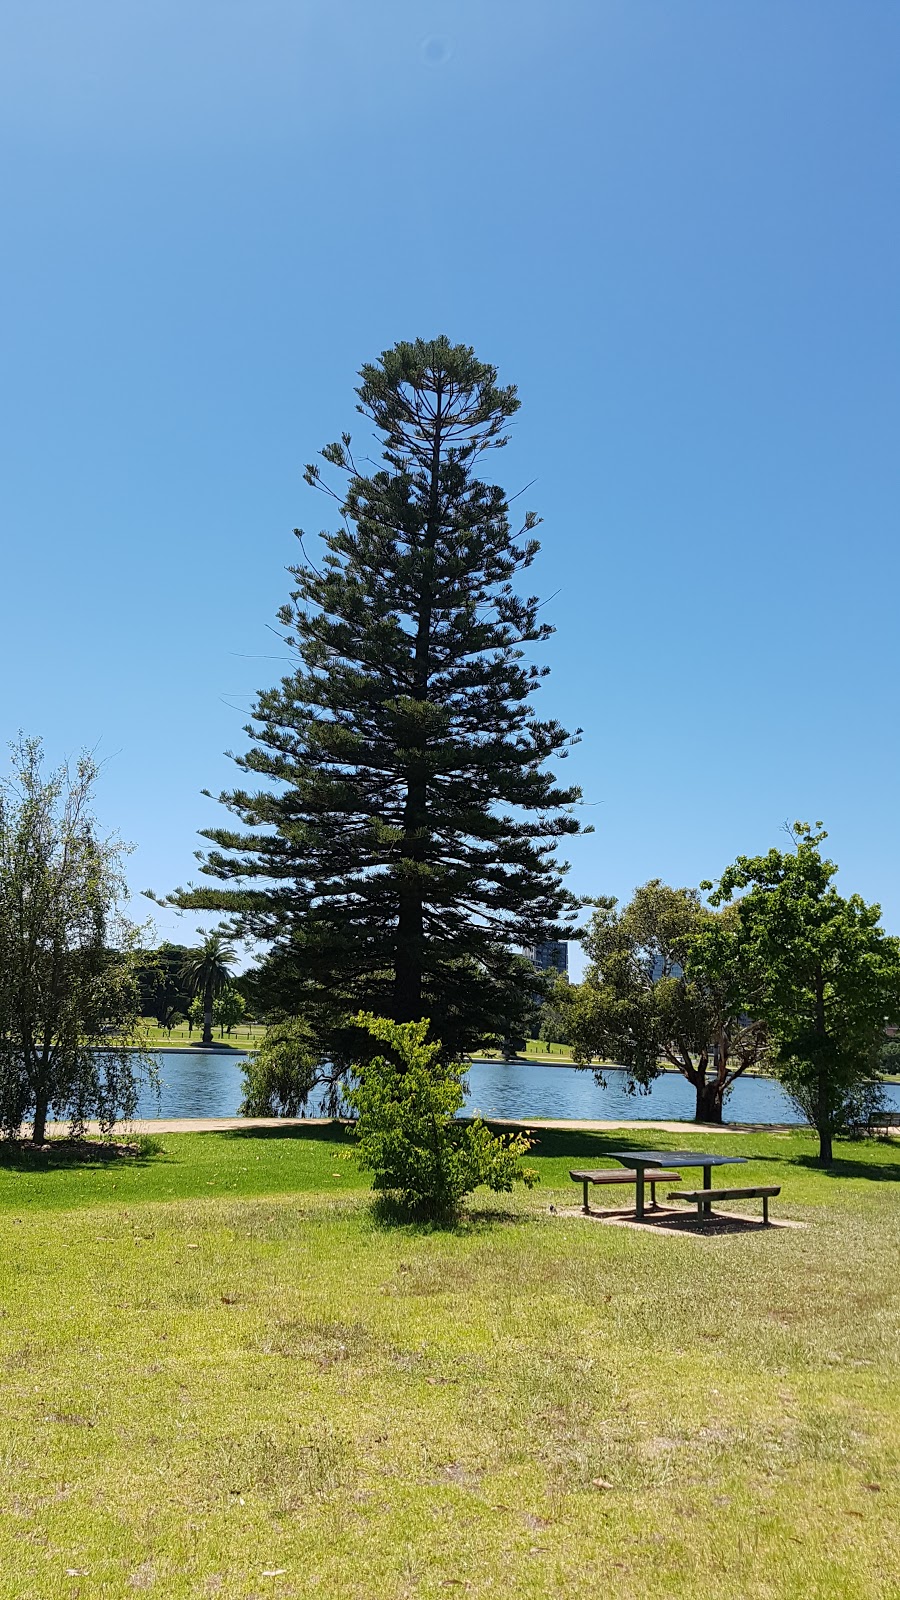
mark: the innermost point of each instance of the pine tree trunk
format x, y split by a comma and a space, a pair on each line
409, 963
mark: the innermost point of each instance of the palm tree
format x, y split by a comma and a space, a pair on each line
206, 973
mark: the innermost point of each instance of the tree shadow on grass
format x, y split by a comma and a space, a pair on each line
390, 1214
578, 1143
311, 1132
841, 1167
61, 1155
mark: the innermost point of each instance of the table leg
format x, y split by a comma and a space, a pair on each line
639, 1194
707, 1184
585, 1208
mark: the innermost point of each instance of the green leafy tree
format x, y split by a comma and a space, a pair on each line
408, 1137
553, 1017
207, 973
195, 1015
653, 996
280, 1076
164, 993
824, 975
402, 844
69, 999
228, 1009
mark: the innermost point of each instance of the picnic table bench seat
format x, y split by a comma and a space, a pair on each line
703, 1198
882, 1122
601, 1175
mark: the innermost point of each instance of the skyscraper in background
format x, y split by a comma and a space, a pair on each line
552, 955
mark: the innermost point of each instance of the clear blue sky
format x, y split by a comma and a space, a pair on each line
673, 223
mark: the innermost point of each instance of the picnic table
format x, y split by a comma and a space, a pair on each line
641, 1160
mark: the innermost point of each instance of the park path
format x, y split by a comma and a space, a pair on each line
151, 1125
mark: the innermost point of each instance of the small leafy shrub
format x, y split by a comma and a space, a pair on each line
407, 1135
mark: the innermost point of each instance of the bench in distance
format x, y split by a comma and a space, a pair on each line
881, 1122
703, 1198
621, 1175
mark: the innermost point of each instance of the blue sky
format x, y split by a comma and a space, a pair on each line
673, 223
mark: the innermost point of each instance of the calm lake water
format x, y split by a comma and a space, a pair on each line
209, 1085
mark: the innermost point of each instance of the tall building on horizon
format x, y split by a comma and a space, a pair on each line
551, 955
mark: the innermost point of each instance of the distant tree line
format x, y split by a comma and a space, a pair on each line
193, 984
774, 970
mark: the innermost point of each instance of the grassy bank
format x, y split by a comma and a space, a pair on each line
246, 1037
223, 1377
249, 1036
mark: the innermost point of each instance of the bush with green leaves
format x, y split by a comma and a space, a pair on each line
280, 1077
406, 1101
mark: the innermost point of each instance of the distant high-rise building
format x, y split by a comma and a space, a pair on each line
551, 955
658, 969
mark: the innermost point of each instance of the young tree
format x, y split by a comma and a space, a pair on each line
408, 1133
402, 844
207, 973
280, 1076
69, 1003
228, 1009
824, 975
651, 995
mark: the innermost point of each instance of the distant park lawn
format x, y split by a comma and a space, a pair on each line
249, 1037
222, 1376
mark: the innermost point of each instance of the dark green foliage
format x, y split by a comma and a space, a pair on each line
889, 1057
653, 994
406, 1103
69, 999
164, 993
402, 843
825, 978
552, 1018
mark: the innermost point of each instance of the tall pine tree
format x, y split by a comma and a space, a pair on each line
402, 848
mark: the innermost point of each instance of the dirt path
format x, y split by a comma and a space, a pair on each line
153, 1125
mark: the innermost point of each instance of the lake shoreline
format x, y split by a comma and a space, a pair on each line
160, 1125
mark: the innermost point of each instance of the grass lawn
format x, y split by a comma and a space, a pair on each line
248, 1036
223, 1377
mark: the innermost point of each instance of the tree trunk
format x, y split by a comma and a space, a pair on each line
410, 937
39, 1131
207, 1019
709, 1100
408, 952
823, 1107
823, 1122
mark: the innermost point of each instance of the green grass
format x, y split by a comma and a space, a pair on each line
246, 1037
218, 1365
249, 1037
535, 1050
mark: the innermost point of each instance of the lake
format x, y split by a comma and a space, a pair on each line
209, 1085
